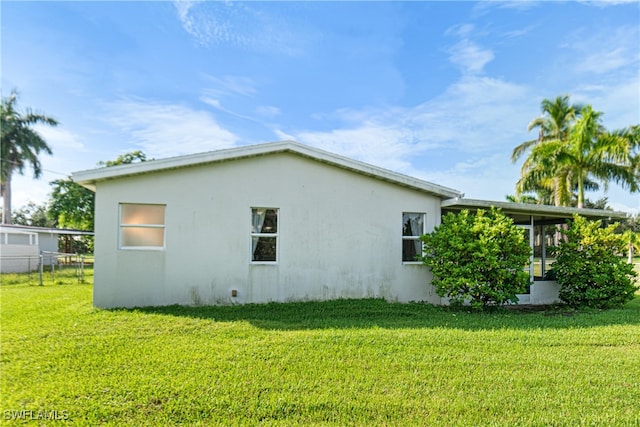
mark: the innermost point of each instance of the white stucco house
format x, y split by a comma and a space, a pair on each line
272, 222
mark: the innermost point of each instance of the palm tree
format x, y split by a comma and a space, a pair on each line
588, 155
634, 244
555, 123
20, 146
607, 156
632, 136
540, 173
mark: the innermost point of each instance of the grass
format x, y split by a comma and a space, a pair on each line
362, 362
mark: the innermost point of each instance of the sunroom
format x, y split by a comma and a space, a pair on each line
539, 223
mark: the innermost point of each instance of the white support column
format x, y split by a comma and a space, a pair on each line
531, 244
543, 250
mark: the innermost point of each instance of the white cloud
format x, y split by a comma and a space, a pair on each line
25, 189
467, 54
474, 115
633, 210
607, 3
618, 100
58, 137
470, 56
283, 136
164, 130
263, 111
244, 25
385, 146
159, 129
460, 30
521, 31
604, 51
212, 102
230, 85
269, 111
490, 177
484, 7
605, 61
203, 30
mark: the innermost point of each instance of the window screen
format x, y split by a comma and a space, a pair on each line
412, 229
264, 234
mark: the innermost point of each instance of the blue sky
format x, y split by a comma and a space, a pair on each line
441, 91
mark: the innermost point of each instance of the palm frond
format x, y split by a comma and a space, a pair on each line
20, 144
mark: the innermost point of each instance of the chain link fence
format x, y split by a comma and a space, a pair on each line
62, 265
48, 267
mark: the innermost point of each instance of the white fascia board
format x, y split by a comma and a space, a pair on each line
89, 178
32, 229
374, 171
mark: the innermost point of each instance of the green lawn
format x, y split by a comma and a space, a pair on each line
364, 362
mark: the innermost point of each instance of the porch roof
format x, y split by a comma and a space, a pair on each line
525, 213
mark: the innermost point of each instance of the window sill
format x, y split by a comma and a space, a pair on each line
142, 248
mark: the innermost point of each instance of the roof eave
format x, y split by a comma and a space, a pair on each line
526, 208
50, 230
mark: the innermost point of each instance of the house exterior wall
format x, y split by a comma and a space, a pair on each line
18, 258
339, 236
48, 242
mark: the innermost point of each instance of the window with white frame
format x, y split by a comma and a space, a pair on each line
264, 235
412, 228
141, 226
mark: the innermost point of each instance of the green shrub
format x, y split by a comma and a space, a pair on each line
477, 259
590, 267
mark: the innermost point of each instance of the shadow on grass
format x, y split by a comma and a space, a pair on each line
377, 313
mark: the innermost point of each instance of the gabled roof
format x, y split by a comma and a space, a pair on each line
89, 178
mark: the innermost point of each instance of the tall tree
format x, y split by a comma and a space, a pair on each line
589, 155
72, 205
125, 159
522, 198
33, 215
631, 135
554, 124
595, 153
20, 146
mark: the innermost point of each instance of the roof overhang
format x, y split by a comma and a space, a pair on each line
17, 228
524, 213
89, 178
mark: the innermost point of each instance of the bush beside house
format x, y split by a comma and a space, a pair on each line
477, 258
590, 266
